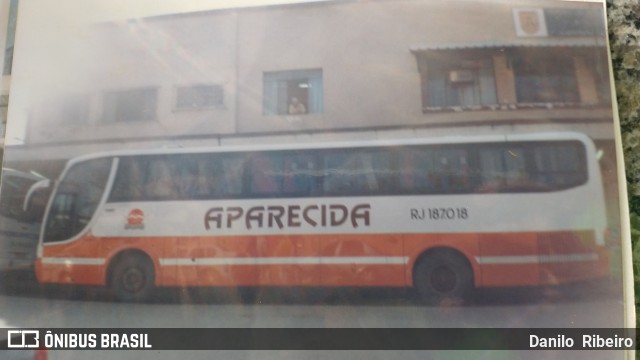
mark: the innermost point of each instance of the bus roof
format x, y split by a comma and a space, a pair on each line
396, 141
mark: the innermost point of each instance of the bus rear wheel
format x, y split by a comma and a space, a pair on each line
444, 277
132, 278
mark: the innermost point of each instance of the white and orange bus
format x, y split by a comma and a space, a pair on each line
443, 215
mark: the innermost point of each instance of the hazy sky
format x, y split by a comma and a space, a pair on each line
102, 10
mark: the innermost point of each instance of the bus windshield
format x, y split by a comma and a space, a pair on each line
76, 199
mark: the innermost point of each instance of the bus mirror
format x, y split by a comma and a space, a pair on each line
36, 200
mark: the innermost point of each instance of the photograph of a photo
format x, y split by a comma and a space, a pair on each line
312, 164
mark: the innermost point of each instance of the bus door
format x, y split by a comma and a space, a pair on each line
19, 229
68, 241
137, 216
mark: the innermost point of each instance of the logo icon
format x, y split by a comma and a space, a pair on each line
529, 22
135, 219
23, 338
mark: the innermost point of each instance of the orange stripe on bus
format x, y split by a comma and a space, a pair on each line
500, 259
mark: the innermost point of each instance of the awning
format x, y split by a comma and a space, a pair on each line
537, 42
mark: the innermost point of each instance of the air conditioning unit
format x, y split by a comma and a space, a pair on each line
461, 76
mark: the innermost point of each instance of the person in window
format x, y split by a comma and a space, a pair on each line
296, 107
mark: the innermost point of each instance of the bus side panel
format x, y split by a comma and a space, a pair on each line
79, 262
188, 249
212, 247
299, 267
575, 257
506, 259
210, 261
417, 244
371, 260
540, 258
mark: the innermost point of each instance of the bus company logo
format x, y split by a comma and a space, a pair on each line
292, 216
20, 339
135, 220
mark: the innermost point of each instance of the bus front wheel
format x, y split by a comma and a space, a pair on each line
443, 277
132, 278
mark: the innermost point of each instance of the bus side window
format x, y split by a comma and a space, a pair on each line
208, 170
559, 166
266, 174
435, 170
517, 176
415, 174
230, 180
337, 179
205, 177
378, 175
184, 171
407, 171
503, 169
299, 175
129, 181
343, 173
159, 184
358, 172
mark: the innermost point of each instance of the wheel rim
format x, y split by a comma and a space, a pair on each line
443, 279
133, 280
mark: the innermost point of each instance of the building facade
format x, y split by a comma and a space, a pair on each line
331, 69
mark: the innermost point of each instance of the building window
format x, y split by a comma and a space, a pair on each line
449, 81
74, 110
130, 105
199, 96
294, 92
545, 76
575, 22
4, 107
599, 63
11, 34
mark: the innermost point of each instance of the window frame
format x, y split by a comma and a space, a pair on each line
542, 77
435, 69
126, 94
273, 91
218, 90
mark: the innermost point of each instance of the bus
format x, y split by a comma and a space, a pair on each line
443, 215
19, 231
